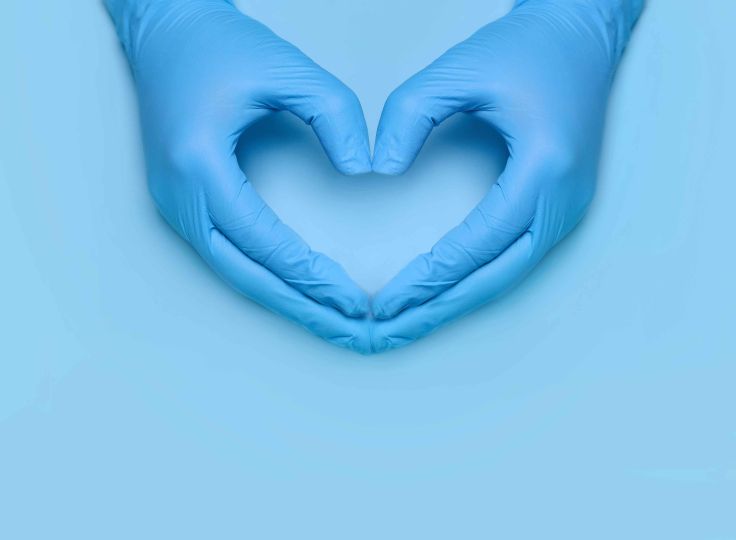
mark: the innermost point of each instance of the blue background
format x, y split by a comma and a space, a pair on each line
141, 398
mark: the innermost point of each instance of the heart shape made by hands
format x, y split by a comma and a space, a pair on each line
541, 83
372, 224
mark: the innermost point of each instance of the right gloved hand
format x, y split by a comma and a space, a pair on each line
541, 76
204, 73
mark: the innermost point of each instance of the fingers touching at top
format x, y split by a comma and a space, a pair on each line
334, 113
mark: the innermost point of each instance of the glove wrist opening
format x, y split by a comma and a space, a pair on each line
615, 18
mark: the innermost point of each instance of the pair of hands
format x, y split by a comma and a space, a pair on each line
540, 75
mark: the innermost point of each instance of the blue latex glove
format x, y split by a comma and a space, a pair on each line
204, 73
541, 76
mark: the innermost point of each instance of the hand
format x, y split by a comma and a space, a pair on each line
541, 76
204, 73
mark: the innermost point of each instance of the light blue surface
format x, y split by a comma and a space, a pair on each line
141, 398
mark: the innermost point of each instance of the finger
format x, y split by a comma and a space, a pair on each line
501, 217
260, 285
479, 288
240, 213
410, 114
447, 86
331, 108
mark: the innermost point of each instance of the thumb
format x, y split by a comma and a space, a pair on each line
410, 114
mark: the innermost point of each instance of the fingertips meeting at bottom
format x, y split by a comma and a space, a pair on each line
365, 335
243, 217
257, 283
324, 280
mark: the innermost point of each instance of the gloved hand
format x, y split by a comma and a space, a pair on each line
541, 76
204, 73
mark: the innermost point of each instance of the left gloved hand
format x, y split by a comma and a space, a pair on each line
204, 73
541, 76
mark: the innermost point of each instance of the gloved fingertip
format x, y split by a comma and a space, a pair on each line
386, 162
358, 308
356, 167
389, 168
379, 314
381, 345
364, 349
380, 340
362, 341
352, 161
383, 310
352, 301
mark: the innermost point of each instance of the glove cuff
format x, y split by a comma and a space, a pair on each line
129, 16
616, 18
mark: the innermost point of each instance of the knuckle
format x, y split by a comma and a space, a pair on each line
407, 100
557, 156
188, 153
560, 160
